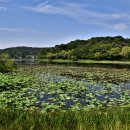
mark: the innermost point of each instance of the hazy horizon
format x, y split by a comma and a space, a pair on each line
46, 23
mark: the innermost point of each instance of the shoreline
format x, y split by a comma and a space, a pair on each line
86, 61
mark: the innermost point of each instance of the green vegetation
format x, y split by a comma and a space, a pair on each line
98, 48
84, 61
22, 52
53, 88
106, 119
67, 97
14, 90
6, 63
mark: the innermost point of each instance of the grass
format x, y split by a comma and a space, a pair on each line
104, 62
107, 119
87, 61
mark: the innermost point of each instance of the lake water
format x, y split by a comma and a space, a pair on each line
34, 62
75, 86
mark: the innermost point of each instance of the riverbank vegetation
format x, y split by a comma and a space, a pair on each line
105, 119
6, 63
67, 97
79, 62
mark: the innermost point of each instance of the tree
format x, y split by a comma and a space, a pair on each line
98, 56
103, 48
125, 52
6, 63
114, 53
63, 54
50, 56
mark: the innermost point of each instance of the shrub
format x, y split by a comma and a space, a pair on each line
6, 63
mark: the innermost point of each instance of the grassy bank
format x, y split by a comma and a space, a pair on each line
86, 61
109, 119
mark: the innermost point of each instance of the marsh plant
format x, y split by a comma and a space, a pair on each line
105, 119
40, 93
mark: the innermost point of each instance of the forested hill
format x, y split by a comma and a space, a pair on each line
94, 42
22, 52
96, 48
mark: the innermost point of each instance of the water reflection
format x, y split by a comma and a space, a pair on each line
105, 65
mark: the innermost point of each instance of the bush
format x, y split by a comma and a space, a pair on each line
6, 63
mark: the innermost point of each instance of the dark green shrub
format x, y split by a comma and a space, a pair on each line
6, 63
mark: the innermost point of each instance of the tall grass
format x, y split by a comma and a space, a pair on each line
108, 119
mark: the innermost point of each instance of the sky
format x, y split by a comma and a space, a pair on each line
46, 23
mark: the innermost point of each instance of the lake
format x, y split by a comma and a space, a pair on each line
64, 86
75, 86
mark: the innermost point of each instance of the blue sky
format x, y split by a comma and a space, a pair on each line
45, 23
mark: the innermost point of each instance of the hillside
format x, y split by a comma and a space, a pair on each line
22, 52
96, 48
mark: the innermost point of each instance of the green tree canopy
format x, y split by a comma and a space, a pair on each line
125, 52
6, 63
114, 53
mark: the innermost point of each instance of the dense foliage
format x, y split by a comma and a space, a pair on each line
98, 48
6, 63
107, 119
22, 52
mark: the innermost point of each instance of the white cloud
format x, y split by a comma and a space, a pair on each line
73, 10
11, 29
20, 30
80, 13
121, 26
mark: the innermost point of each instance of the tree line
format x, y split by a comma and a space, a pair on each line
97, 48
22, 52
